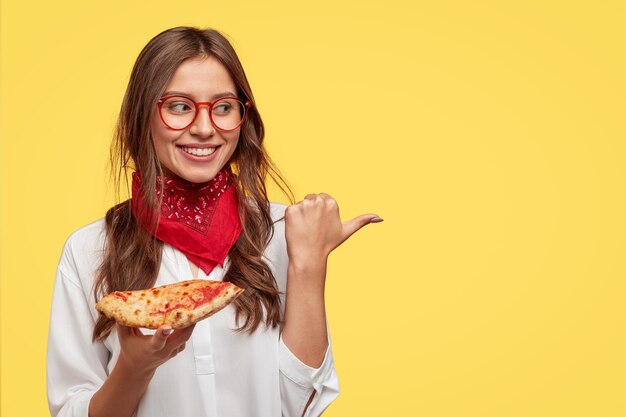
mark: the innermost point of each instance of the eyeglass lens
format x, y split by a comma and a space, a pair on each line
179, 113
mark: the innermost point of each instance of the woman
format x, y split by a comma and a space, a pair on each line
190, 130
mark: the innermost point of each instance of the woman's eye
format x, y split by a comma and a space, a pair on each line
222, 108
179, 107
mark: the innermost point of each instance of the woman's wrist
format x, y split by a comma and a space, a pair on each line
306, 278
128, 369
121, 392
308, 262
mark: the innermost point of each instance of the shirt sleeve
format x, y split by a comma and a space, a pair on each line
76, 366
299, 381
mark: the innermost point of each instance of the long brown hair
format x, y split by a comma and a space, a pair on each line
132, 256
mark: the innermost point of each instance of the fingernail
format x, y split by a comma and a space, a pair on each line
376, 220
167, 332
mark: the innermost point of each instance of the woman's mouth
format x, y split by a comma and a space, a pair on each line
197, 151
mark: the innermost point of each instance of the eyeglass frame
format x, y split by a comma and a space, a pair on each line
246, 105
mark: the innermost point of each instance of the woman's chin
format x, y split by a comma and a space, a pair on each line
197, 177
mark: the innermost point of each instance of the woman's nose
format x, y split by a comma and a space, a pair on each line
202, 126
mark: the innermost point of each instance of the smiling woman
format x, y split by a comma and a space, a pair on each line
190, 131
191, 141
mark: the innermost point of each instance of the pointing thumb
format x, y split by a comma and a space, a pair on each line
351, 226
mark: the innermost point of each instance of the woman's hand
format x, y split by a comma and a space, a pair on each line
145, 353
313, 228
140, 356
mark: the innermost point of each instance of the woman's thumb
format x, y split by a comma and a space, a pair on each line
351, 226
160, 337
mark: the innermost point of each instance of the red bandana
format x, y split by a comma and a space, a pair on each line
200, 220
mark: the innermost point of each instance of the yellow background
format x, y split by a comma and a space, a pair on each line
488, 134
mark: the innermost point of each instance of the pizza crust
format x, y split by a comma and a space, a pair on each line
179, 305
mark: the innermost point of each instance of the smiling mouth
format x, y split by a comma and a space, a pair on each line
198, 151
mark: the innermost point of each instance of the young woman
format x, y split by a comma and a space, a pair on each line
190, 131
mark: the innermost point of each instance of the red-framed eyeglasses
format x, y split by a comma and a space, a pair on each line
226, 113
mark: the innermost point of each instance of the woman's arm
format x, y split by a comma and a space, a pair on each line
139, 358
75, 367
77, 379
305, 332
313, 229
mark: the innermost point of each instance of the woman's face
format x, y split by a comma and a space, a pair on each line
200, 151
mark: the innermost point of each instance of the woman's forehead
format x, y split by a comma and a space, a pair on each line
201, 75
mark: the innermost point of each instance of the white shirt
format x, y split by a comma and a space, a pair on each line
221, 372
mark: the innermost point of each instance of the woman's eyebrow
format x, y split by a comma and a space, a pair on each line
213, 97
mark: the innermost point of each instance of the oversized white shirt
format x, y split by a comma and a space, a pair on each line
221, 372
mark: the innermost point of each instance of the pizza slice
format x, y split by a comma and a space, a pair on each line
178, 305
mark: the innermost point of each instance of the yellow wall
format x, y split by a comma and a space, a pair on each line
488, 134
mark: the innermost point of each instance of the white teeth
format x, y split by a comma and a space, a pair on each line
198, 151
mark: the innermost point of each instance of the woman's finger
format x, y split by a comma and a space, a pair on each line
160, 338
177, 350
185, 334
350, 227
124, 331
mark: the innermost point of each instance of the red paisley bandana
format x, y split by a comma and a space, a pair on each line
200, 220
